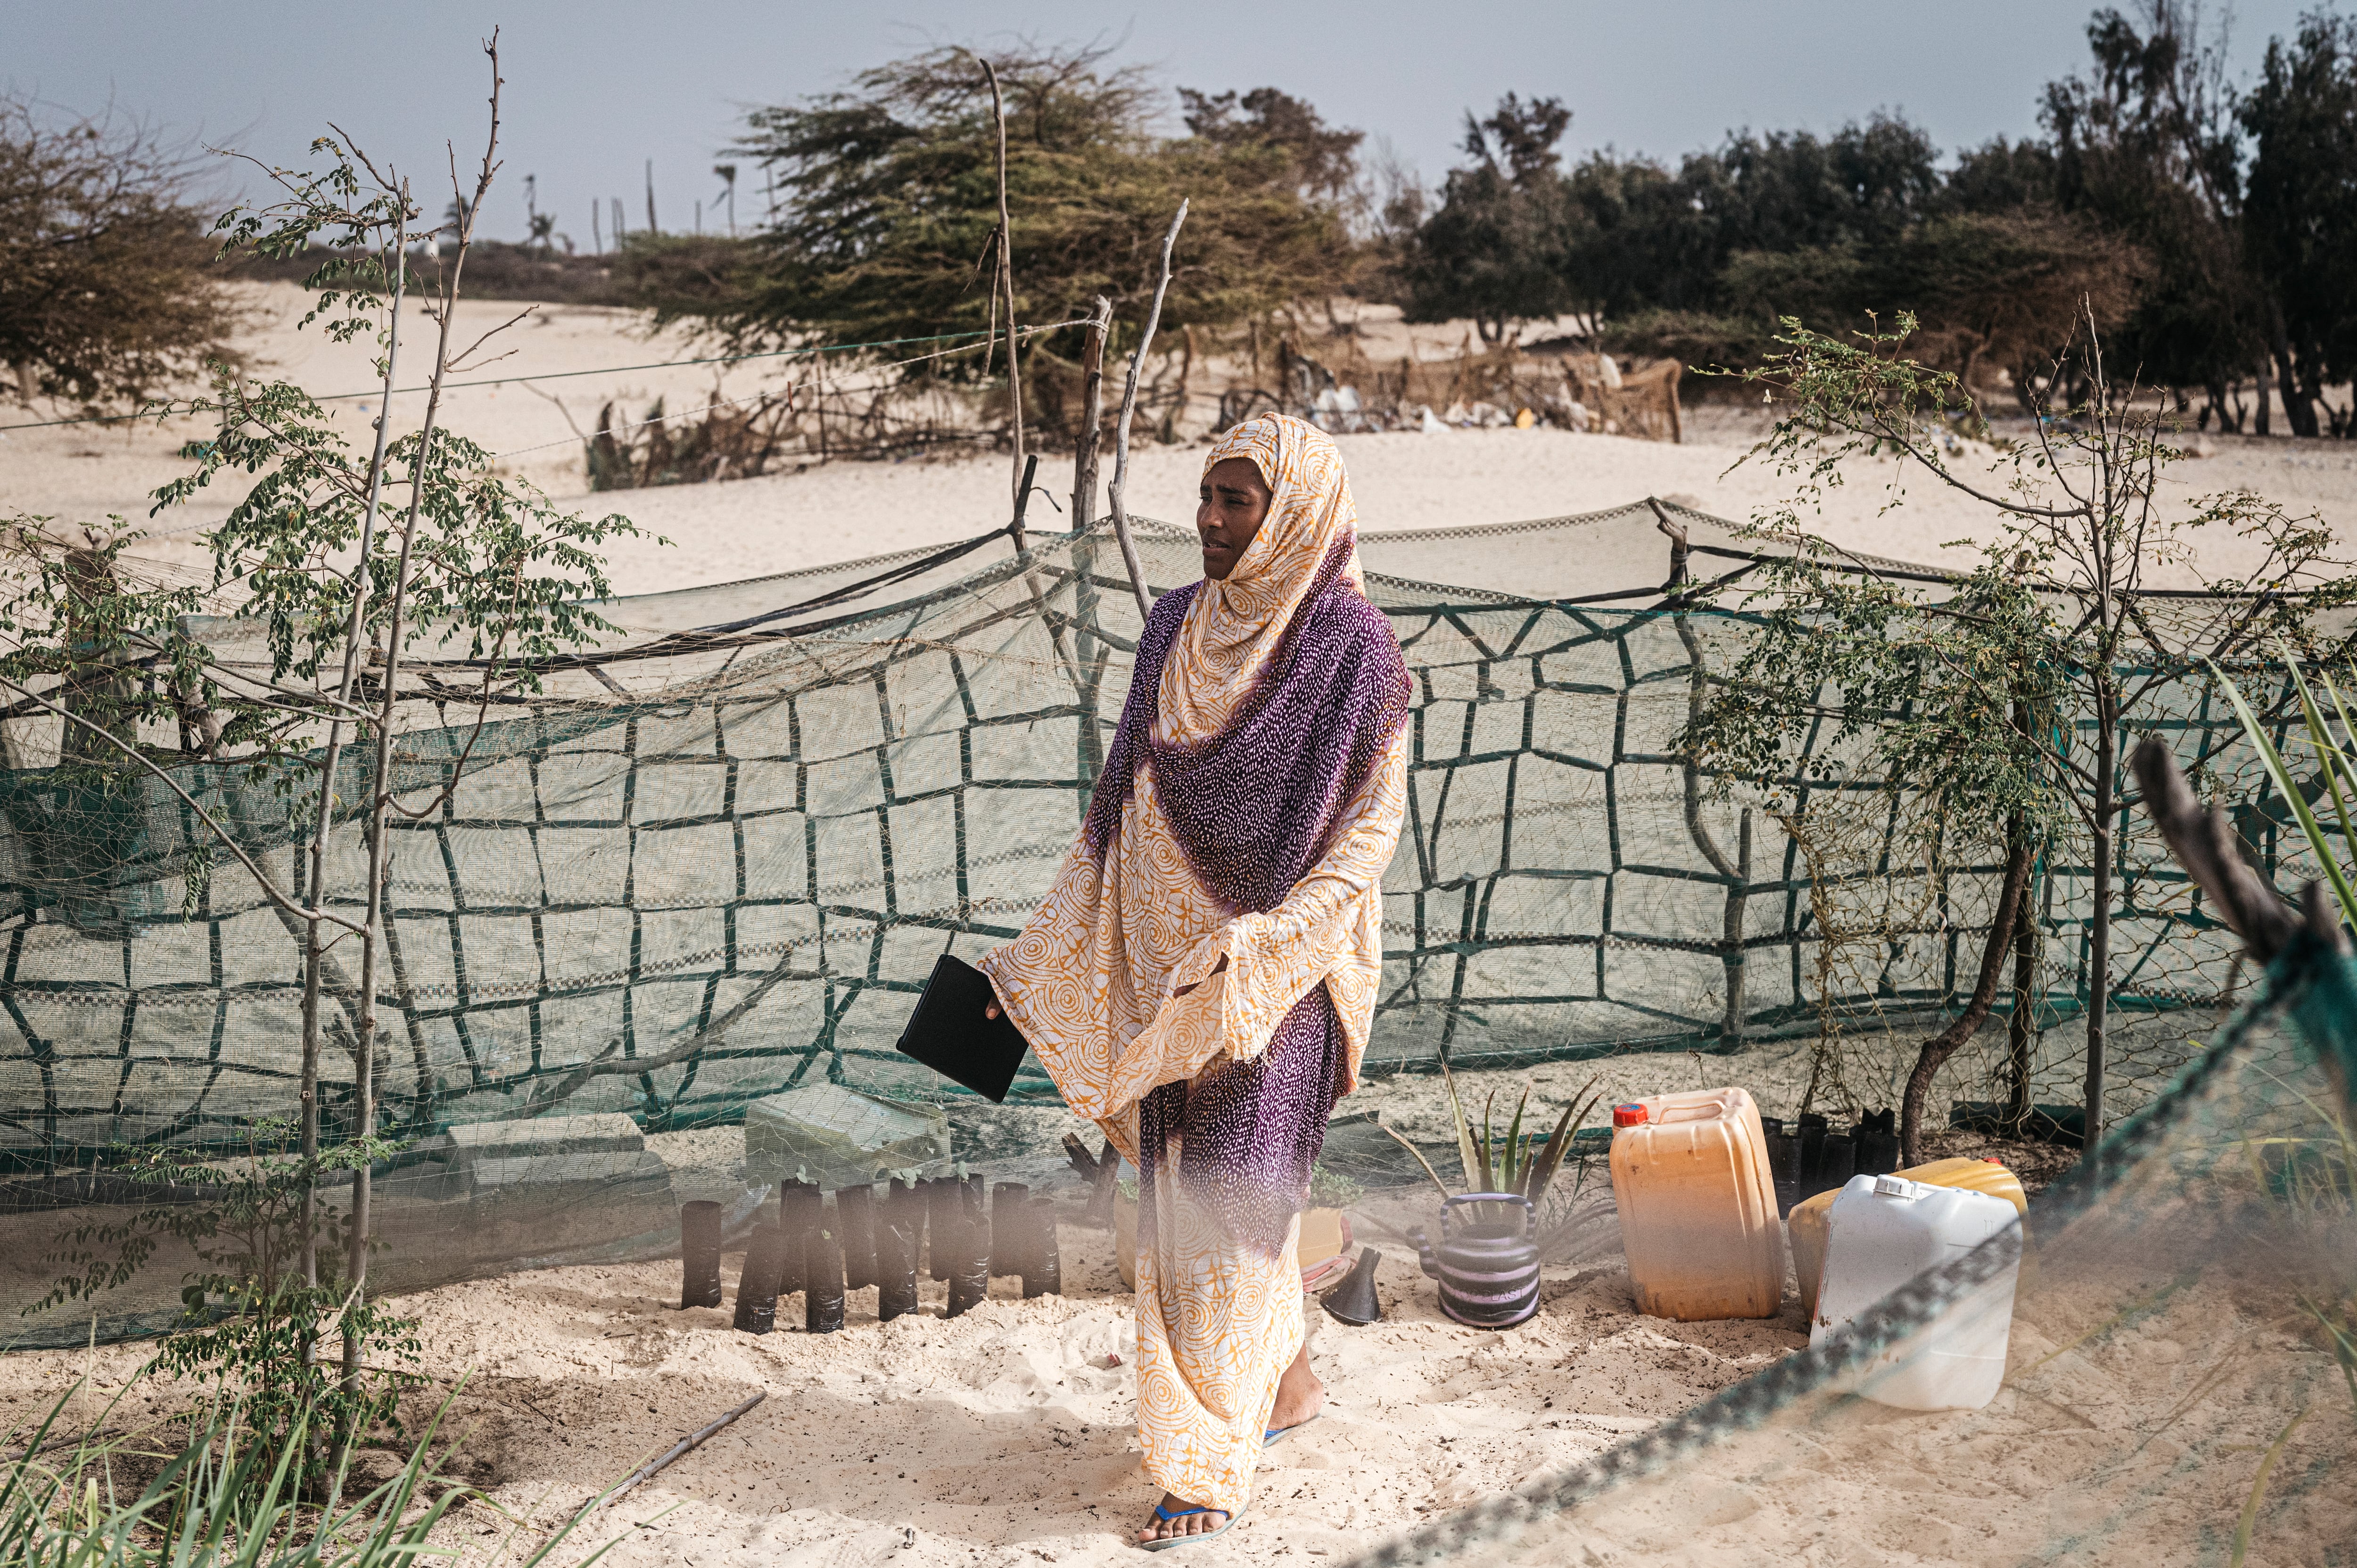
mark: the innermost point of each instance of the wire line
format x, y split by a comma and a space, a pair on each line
560, 375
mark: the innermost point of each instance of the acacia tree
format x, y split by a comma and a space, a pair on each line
888, 206
1956, 688
103, 289
354, 566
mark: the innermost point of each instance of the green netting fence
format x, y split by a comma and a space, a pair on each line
705, 866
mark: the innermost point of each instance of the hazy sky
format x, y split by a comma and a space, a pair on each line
596, 89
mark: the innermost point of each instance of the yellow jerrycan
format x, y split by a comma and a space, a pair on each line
1810, 1227
1697, 1205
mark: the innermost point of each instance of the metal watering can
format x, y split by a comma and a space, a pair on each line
1489, 1273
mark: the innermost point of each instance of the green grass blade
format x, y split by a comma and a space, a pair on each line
1466, 1163
1489, 1175
1411, 1148
1515, 1161
2330, 756
2281, 776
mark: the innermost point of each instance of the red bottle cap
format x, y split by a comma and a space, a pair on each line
1628, 1115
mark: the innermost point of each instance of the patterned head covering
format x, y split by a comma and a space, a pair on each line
1308, 543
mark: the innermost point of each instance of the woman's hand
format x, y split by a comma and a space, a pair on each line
1215, 970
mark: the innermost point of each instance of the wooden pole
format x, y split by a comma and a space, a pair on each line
1120, 431
1007, 283
1084, 451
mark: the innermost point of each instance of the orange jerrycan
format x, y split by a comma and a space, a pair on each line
1812, 1225
1697, 1205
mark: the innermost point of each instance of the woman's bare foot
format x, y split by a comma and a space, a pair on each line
1160, 1529
1300, 1394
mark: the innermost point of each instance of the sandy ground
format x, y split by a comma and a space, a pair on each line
1004, 1436
784, 520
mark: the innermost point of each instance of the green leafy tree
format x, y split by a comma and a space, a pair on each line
249, 1327
1953, 686
2299, 209
105, 294
355, 566
2145, 143
1498, 246
887, 209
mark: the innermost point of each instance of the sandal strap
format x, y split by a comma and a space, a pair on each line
1165, 1516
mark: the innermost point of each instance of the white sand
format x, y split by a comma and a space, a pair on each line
723, 532
1003, 1436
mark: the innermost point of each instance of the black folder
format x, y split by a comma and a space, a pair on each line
949, 1033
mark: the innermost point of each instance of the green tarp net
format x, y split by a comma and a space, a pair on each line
708, 866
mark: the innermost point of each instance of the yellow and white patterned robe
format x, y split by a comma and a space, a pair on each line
1092, 979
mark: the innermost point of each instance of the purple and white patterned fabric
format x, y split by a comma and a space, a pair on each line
1253, 808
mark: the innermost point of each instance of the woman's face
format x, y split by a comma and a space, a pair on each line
1235, 505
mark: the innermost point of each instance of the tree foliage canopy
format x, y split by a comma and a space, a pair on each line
889, 205
2209, 230
104, 288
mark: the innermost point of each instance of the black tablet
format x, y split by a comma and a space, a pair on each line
949, 1033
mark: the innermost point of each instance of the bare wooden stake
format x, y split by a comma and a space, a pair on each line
1006, 283
1084, 451
1121, 432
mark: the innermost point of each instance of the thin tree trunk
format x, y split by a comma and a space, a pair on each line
2021, 1029
1006, 283
2099, 943
1084, 450
312, 950
1114, 491
380, 782
1943, 1044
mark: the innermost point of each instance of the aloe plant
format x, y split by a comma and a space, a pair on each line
1513, 1166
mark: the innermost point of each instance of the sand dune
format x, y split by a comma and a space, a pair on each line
837, 512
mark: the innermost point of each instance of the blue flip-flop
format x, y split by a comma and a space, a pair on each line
1166, 1542
1277, 1435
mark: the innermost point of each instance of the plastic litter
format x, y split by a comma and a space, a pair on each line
1354, 1300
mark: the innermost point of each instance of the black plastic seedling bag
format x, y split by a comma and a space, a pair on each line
856, 1208
699, 1253
896, 1268
1010, 1228
757, 1286
821, 1283
1043, 1270
969, 1266
799, 1208
941, 1195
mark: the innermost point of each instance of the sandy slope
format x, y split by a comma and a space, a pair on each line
722, 532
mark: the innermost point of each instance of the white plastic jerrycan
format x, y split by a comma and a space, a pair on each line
1884, 1230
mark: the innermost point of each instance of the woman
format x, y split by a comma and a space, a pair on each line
1201, 977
